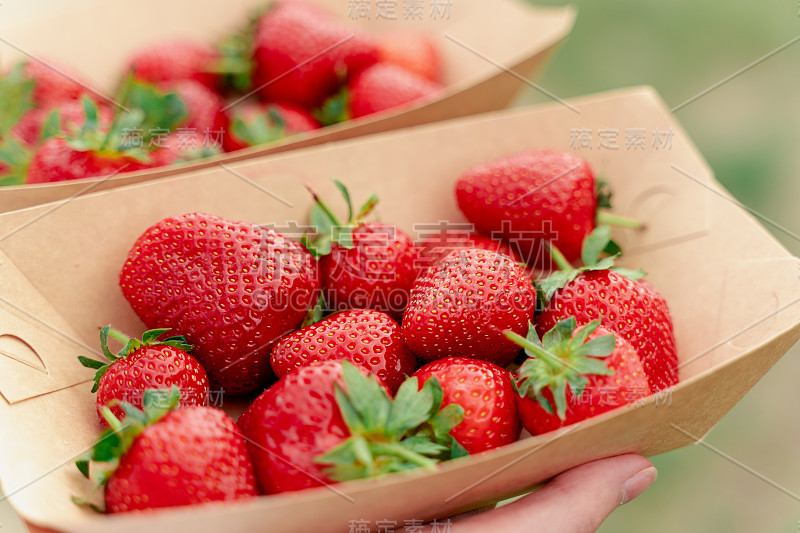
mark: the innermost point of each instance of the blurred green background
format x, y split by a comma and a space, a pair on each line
748, 131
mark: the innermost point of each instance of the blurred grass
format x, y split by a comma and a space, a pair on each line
747, 130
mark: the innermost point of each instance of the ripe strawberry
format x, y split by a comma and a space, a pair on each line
204, 107
53, 85
253, 124
367, 338
232, 288
462, 306
38, 125
145, 364
173, 61
435, 247
485, 392
384, 86
330, 414
301, 53
162, 457
627, 304
533, 198
581, 372
415, 52
363, 264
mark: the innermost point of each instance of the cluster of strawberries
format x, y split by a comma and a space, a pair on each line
389, 354
293, 68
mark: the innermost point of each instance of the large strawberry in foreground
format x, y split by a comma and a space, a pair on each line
162, 457
573, 374
367, 338
534, 198
627, 304
485, 392
462, 306
327, 422
144, 364
232, 288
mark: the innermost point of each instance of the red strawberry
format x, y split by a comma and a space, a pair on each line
367, 338
172, 61
363, 264
204, 107
435, 247
462, 306
146, 364
415, 52
320, 414
384, 86
253, 124
53, 85
628, 305
533, 198
300, 53
70, 116
573, 375
485, 392
58, 160
170, 458
232, 288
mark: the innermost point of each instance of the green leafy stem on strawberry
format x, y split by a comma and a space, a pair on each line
595, 245
563, 357
391, 435
130, 345
121, 434
603, 194
329, 228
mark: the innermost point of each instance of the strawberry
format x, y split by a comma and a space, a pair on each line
171, 61
253, 124
572, 375
301, 53
145, 364
533, 198
363, 264
100, 150
326, 423
627, 304
367, 338
435, 247
462, 306
232, 288
162, 457
52, 84
38, 125
204, 107
384, 87
415, 52
485, 392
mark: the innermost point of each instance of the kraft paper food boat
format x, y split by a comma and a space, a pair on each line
489, 50
733, 290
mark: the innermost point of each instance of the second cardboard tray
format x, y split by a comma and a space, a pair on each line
489, 49
59, 265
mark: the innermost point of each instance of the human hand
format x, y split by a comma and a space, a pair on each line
576, 501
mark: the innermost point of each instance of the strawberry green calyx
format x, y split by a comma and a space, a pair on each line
329, 228
262, 129
15, 158
595, 245
118, 439
391, 435
563, 357
335, 109
16, 97
149, 338
603, 194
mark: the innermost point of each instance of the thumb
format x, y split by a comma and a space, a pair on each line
576, 501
